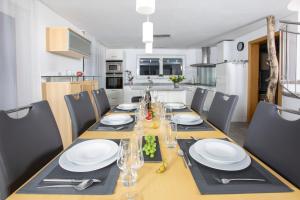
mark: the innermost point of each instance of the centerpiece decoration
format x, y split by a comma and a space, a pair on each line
176, 80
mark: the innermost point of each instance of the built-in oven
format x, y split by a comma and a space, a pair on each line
114, 66
114, 80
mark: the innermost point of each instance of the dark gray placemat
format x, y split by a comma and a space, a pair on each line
205, 178
180, 110
200, 127
117, 110
108, 175
157, 156
98, 126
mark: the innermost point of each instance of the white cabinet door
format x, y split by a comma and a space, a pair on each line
114, 54
190, 94
129, 93
115, 97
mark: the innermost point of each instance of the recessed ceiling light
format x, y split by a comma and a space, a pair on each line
145, 7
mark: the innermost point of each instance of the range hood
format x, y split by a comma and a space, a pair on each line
205, 59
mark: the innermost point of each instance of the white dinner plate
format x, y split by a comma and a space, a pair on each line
92, 152
116, 119
220, 151
127, 106
187, 119
225, 167
72, 167
175, 105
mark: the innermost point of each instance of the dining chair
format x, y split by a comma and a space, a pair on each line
102, 102
26, 144
275, 141
136, 99
221, 111
198, 100
81, 112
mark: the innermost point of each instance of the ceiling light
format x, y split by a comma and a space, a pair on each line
145, 7
148, 47
147, 32
294, 5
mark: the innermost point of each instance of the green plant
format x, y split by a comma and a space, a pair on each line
177, 79
150, 145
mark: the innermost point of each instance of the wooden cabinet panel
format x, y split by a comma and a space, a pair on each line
54, 93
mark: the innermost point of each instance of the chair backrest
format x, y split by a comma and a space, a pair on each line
26, 145
198, 100
81, 112
136, 99
101, 101
275, 141
221, 111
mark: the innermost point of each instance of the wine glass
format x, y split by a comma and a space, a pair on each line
171, 135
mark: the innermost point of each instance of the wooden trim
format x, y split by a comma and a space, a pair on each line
253, 75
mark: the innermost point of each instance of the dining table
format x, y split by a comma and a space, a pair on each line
176, 183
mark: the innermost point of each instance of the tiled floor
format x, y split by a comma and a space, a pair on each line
238, 132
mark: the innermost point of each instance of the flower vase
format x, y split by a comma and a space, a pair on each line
176, 85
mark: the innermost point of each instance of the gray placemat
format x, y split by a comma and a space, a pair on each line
205, 178
98, 126
200, 127
180, 110
108, 175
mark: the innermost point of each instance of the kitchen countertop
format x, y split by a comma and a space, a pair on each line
167, 86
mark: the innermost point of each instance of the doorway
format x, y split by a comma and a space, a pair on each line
258, 73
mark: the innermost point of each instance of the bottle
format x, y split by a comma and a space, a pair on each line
148, 100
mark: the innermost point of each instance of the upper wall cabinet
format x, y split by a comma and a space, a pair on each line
114, 54
224, 50
64, 41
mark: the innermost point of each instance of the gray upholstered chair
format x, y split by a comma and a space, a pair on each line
81, 112
101, 101
221, 111
198, 100
275, 141
26, 145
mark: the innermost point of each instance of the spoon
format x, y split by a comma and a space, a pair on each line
81, 186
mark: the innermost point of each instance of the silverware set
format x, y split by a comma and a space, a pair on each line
111, 128
227, 181
82, 184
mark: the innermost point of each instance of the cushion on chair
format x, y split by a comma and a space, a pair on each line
221, 111
26, 145
81, 112
275, 141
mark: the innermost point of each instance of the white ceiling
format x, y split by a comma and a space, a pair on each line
191, 23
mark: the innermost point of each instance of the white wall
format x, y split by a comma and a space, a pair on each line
191, 56
52, 64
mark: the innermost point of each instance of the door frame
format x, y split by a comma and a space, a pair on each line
253, 75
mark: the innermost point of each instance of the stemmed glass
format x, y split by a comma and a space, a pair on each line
130, 160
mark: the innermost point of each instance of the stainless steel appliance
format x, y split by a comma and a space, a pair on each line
114, 66
114, 80
206, 71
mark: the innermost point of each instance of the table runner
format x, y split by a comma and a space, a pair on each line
108, 175
205, 178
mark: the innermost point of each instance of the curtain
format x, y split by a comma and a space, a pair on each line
95, 63
20, 76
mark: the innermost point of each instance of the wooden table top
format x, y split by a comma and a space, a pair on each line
175, 183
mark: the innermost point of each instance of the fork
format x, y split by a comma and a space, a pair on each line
81, 186
226, 180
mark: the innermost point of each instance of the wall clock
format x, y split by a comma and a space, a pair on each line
240, 46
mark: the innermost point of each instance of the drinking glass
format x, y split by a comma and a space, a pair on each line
171, 135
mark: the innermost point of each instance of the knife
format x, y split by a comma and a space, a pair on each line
68, 180
187, 159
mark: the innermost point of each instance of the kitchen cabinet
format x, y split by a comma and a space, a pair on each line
66, 42
190, 94
224, 50
129, 93
54, 93
115, 96
114, 54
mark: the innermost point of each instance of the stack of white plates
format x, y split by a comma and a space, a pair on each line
127, 106
187, 119
220, 154
175, 105
89, 156
116, 119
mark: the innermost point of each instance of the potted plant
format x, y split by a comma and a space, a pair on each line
176, 80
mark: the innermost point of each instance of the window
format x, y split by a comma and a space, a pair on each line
172, 66
149, 66
160, 65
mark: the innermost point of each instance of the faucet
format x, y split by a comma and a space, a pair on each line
150, 82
